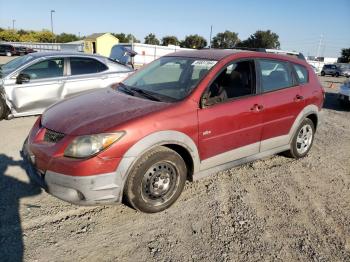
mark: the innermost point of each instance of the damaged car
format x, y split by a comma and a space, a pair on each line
182, 117
31, 83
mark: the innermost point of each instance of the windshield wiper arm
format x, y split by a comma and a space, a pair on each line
126, 89
145, 93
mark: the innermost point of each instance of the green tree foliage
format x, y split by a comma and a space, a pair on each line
194, 41
345, 55
261, 39
151, 39
9, 36
65, 38
170, 40
226, 39
44, 36
122, 37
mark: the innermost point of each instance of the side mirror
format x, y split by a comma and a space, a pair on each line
22, 78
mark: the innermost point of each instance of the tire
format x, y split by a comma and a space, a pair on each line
337, 74
323, 73
156, 180
3, 109
8, 54
302, 140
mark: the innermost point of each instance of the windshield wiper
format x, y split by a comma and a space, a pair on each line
126, 89
145, 93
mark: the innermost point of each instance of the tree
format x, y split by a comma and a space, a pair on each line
44, 36
151, 39
65, 38
194, 41
170, 40
345, 55
261, 39
121, 37
226, 39
132, 39
9, 36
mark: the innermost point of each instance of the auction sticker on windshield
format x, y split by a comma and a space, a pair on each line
204, 63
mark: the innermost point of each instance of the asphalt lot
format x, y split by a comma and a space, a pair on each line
276, 209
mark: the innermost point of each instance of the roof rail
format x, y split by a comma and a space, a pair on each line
275, 51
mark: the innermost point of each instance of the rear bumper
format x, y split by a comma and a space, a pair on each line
85, 190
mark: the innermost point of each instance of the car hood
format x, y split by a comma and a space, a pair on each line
97, 112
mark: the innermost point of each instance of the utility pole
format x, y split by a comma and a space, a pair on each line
52, 11
211, 31
13, 24
319, 45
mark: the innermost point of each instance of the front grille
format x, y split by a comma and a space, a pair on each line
52, 136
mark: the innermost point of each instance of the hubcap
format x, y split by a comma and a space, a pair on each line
304, 139
159, 183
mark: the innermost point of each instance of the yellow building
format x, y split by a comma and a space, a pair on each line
100, 43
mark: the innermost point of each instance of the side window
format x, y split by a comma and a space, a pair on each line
83, 65
274, 75
45, 69
235, 81
302, 73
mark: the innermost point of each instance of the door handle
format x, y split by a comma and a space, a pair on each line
257, 108
298, 98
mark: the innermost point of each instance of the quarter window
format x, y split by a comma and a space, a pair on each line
302, 73
45, 69
82, 66
274, 75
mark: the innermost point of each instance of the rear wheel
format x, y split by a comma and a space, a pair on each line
8, 54
302, 140
323, 73
156, 181
3, 109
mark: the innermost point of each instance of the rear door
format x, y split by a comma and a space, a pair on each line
46, 79
84, 73
230, 124
282, 101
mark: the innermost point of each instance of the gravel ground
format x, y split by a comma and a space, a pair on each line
276, 209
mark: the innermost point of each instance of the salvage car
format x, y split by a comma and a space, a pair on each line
184, 116
31, 83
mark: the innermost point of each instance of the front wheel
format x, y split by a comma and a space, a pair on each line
323, 73
337, 74
8, 54
156, 181
302, 140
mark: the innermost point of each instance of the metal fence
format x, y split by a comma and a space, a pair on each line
78, 47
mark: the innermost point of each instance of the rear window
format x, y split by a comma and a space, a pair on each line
83, 65
302, 73
274, 75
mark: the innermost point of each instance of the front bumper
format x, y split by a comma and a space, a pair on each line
85, 190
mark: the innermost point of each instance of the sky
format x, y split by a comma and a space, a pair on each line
308, 26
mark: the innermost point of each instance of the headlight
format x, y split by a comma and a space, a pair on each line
89, 145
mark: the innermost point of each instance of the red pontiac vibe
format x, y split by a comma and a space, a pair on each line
184, 116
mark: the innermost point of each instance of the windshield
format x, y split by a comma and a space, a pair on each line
172, 77
14, 64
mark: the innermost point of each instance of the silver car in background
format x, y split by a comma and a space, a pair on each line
31, 83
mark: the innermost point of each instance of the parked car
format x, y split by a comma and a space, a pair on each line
31, 83
344, 94
184, 116
22, 50
7, 50
330, 69
344, 70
